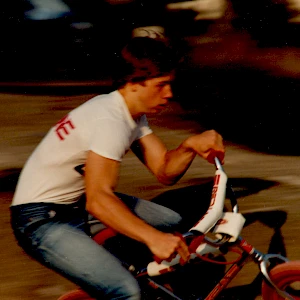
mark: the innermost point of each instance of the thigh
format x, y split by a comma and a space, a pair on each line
154, 214
74, 254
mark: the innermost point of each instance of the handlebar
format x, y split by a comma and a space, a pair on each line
226, 226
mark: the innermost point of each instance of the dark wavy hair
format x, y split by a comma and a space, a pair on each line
144, 58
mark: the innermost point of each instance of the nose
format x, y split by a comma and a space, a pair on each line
168, 94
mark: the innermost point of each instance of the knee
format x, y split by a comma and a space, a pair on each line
128, 289
132, 292
175, 218
172, 220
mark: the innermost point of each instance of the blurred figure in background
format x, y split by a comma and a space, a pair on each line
204, 9
47, 10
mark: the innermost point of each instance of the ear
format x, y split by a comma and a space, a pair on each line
133, 86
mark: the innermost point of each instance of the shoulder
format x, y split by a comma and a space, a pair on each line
104, 99
100, 106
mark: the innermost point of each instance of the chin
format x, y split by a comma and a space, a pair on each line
160, 108
156, 111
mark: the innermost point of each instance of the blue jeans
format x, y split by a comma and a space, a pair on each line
57, 236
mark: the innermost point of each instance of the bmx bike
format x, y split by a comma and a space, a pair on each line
216, 234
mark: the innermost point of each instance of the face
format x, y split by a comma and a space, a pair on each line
155, 93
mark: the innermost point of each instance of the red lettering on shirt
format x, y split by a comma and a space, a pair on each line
63, 127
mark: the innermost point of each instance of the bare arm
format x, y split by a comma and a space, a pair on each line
101, 176
170, 166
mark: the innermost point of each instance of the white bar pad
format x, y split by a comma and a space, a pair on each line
155, 269
215, 210
231, 224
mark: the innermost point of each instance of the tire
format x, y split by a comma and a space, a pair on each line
286, 277
76, 295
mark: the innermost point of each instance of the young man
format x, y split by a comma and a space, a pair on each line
82, 154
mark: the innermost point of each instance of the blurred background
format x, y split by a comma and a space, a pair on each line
240, 73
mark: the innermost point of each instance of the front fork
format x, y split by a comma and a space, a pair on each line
264, 262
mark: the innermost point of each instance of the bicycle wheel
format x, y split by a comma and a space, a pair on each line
76, 295
286, 277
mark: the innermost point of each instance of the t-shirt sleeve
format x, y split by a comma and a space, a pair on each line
110, 139
143, 128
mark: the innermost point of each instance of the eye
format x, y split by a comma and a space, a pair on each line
162, 84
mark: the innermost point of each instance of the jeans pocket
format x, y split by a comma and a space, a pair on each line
27, 220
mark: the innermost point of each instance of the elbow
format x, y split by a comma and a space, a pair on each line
166, 180
91, 205
168, 183
98, 203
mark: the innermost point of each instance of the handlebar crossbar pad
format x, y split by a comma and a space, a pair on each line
215, 210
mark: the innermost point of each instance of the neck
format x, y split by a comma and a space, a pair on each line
131, 102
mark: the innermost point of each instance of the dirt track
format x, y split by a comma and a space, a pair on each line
268, 187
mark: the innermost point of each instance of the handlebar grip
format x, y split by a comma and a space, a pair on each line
181, 261
159, 260
196, 243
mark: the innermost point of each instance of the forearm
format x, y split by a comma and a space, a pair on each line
170, 166
110, 210
175, 164
115, 214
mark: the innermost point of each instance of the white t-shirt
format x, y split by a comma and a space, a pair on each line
53, 172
